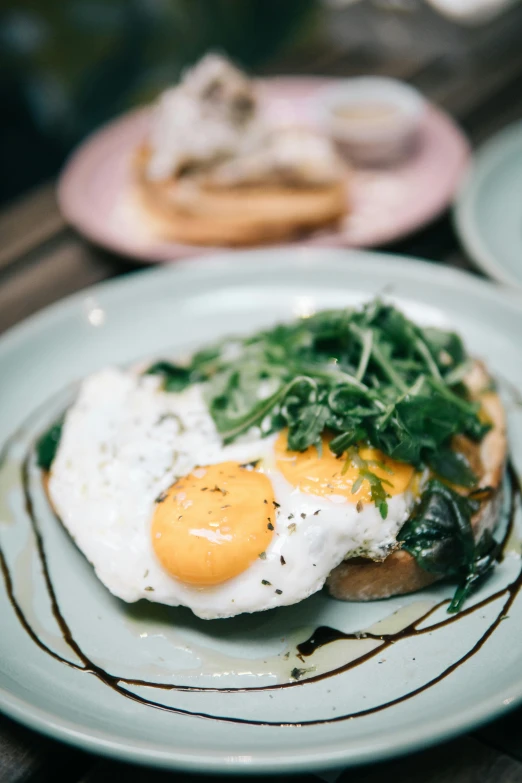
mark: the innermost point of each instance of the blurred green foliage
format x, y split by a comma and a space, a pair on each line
66, 66
81, 61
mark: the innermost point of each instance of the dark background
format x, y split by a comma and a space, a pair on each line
66, 66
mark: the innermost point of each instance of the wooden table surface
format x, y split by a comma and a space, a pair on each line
479, 82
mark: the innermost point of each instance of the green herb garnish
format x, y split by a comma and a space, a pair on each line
175, 377
367, 376
297, 672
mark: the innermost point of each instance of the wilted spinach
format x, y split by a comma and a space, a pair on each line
439, 535
47, 445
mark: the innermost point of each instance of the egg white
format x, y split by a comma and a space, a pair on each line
124, 441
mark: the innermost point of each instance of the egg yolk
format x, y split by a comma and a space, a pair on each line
325, 474
212, 524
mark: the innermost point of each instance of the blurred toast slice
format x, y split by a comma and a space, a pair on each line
193, 211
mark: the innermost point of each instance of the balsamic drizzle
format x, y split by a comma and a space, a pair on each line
325, 635
321, 637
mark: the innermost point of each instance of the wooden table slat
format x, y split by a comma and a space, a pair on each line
29, 222
27, 757
109, 772
66, 267
465, 760
505, 734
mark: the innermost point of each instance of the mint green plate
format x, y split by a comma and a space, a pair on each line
488, 209
225, 710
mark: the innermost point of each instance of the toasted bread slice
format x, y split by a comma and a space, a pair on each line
236, 216
366, 580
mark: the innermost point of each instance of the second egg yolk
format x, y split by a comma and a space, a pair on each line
325, 475
212, 524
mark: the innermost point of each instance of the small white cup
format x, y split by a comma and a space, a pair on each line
373, 119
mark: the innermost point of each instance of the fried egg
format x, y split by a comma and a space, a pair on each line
164, 511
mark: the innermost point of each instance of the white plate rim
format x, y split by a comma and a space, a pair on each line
486, 159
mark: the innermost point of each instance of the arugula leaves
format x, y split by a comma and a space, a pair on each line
377, 490
175, 377
439, 536
367, 375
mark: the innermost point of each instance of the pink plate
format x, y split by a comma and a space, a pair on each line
94, 190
